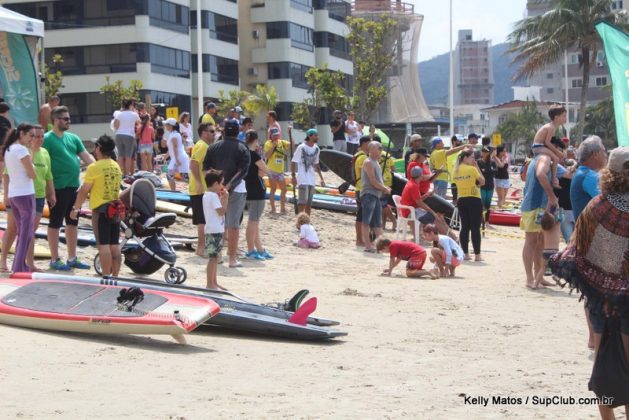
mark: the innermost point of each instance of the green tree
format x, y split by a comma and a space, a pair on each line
54, 77
262, 101
116, 92
326, 90
372, 47
520, 128
540, 41
602, 122
232, 99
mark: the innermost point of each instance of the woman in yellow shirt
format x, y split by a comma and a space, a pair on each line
468, 180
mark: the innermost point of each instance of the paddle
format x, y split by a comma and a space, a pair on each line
290, 139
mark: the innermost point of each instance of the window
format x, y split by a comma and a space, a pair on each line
98, 59
169, 61
222, 70
601, 81
550, 90
305, 5
169, 15
577, 83
337, 9
339, 47
549, 75
295, 72
576, 58
300, 36
222, 28
616, 5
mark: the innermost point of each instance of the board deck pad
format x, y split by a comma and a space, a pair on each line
76, 298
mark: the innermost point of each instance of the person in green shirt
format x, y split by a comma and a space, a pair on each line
65, 150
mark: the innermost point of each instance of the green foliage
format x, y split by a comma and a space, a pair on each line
326, 90
540, 41
602, 122
54, 77
116, 91
372, 47
264, 100
231, 99
520, 128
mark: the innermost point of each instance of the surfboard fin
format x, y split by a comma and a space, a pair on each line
179, 338
300, 317
295, 302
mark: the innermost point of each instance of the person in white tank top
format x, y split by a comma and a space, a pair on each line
179, 160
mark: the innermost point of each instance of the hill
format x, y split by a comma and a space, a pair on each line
433, 76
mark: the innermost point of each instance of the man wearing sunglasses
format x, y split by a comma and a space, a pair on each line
196, 185
65, 150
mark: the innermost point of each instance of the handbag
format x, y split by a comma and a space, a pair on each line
115, 211
610, 374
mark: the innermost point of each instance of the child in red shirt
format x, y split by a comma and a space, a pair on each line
412, 253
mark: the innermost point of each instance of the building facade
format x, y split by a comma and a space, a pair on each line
242, 44
473, 71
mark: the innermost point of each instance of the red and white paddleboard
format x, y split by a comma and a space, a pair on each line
60, 305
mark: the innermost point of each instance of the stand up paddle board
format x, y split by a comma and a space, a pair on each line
178, 209
40, 250
236, 313
54, 304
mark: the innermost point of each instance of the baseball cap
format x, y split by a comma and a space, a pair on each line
415, 137
170, 121
435, 142
232, 128
238, 109
487, 149
617, 159
275, 132
416, 172
312, 132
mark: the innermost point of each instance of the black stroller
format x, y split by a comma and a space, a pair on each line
144, 247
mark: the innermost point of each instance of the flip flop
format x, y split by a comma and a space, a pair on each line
238, 264
370, 250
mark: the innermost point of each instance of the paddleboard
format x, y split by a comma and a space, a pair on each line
236, 313
504, 218
39, 252
173, 196
178, 209
53, 304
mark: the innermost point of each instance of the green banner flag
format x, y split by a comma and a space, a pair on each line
616, 45
18, 80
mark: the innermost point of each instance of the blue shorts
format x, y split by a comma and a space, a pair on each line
502, 183
372, 210
441, 188
145, 148
39, 205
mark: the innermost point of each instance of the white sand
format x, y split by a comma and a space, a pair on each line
414, 346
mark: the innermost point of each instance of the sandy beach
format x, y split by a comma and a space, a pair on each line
415, 348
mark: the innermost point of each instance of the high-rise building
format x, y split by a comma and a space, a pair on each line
242, 43
473, 71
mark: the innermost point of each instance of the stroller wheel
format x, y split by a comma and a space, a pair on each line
172, 275
183, 275
97, 266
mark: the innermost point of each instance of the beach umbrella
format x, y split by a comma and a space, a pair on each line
383, 137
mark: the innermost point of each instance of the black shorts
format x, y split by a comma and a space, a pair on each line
359, 214
62, 209
107, 232
196, 204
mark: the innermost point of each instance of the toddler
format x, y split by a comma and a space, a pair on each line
308, 237
412, 253
447, 254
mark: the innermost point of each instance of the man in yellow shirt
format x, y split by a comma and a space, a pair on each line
359, 160
210, 112
102, 183
276, 152
196, 183
439, 162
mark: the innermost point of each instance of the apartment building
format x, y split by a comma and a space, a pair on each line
241, 44
473, 71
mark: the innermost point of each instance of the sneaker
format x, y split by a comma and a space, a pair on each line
254, 255
266, 255
59, 266
76, 263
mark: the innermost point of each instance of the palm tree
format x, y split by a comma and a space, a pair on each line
264, 100
540, 41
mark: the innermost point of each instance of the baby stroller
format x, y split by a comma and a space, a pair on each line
144, 247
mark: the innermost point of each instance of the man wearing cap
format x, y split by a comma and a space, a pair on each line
337, 126
210, 112
102, 183
303, 166
359, 160
276, 152
472, 140
196, 185
411, 196
414, 144
65, 149
233, 158
439, 163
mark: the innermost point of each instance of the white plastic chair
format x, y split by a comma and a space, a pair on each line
402, 222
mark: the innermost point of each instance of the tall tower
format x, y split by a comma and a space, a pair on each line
473, 73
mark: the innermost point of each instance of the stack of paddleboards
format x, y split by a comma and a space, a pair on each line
236, 313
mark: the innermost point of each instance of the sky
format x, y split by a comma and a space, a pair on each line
488, 19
